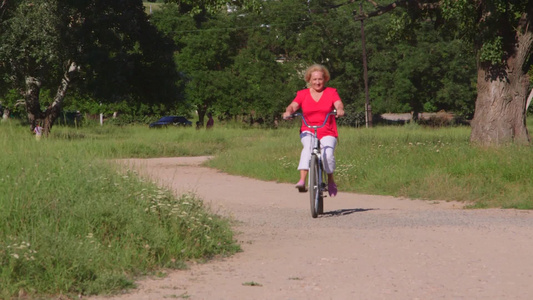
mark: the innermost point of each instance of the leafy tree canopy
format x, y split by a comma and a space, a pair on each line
109, 47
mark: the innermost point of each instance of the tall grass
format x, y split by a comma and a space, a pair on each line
71, 223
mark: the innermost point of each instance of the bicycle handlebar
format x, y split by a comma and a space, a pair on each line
333, 113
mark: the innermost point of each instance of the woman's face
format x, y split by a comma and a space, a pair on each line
317, 81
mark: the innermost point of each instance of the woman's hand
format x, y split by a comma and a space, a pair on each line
340, 112
286, 115
340, 108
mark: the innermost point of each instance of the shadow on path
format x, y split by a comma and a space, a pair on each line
343, 212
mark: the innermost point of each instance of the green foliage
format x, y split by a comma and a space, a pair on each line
227, 61
489, 25
427, 71
420, 68
29, 38
492, 51
204, 51
11, 101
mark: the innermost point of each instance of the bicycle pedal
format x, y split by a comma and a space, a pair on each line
302, 189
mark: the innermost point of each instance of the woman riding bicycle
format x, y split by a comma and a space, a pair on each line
316, 102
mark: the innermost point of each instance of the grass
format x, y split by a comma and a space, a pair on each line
410, 161
72, 223
251, 283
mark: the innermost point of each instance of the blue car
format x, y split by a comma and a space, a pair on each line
171, 120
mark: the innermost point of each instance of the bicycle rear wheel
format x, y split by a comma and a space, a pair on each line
315, 193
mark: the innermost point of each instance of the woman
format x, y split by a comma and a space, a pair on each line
210, 121
316, 102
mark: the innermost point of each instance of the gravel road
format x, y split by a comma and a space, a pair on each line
364, 247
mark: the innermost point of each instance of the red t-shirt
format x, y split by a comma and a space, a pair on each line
315, 112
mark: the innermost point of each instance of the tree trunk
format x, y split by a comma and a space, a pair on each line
31, 97
5, 114
54, 110
500, 113
202, 111
33, 106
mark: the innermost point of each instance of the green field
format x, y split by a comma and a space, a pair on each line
73, 223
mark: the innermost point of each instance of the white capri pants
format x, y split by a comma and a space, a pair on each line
327, 146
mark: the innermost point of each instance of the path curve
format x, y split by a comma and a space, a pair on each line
365, 247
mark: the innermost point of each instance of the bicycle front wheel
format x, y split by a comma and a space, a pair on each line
314, 186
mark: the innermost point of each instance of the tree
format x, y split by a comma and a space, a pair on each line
423, 70
204, 51
265, 86
504, 42
110, 48
501, 33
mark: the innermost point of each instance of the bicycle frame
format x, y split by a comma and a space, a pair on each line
316, 141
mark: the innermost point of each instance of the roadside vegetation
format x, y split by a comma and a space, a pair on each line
72, 223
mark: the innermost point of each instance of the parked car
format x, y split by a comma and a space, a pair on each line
171, 120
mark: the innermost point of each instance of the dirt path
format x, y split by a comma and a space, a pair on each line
365, 247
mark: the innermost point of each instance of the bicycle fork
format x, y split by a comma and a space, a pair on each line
322, 179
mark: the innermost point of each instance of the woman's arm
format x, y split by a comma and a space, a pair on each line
339, 106
292, 108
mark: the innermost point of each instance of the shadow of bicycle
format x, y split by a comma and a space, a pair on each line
344, 212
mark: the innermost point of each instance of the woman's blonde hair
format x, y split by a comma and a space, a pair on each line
315, 68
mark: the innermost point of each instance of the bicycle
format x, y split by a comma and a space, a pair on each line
317, 177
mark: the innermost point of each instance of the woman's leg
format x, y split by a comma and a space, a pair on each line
328, 144
306, 138
303, 175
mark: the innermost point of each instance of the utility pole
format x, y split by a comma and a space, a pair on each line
368, 108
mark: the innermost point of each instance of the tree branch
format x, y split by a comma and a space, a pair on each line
528, 102
420, 4
3, 8
379, 10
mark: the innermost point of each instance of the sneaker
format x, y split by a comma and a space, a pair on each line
332, 189
301, 186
